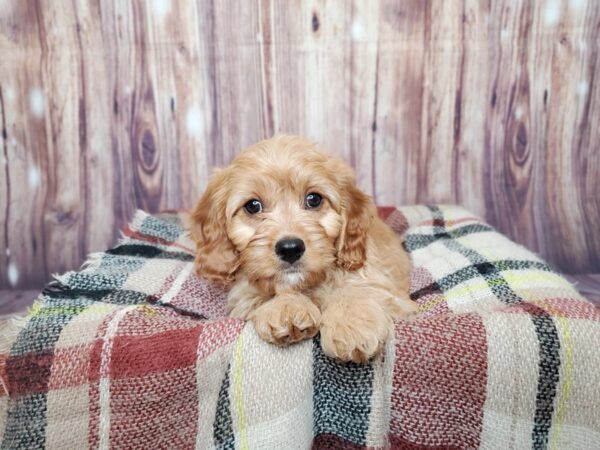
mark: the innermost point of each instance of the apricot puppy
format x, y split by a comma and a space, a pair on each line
301, 249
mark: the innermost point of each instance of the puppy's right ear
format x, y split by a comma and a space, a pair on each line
216, 257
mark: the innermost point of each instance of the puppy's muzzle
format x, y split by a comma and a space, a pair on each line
290, 250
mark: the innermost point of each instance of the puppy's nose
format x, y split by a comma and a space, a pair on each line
290, 250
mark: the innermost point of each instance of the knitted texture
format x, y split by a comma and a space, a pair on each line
135, 351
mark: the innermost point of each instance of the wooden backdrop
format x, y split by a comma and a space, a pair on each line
108, 106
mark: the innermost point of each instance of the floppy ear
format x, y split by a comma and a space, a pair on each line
216, 258
358, 212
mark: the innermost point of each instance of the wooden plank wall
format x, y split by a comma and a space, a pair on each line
108, 106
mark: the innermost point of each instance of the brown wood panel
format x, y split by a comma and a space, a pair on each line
321, 63
110, 106
24, 148
15, 302
399, 101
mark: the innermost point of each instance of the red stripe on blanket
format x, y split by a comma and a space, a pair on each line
393, 218
449, 223
70, 367
28, 374
3, 378
94, 413
384, 211
401, 444
570, 308
135, 234
138, 356
218, 334
397, 222
143, 371
146, 370
432, 405
200, 296
155, 411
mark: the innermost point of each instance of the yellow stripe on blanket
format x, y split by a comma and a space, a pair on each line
518, 280
423, 307
563, 396
468, 290
38, 310
522, 279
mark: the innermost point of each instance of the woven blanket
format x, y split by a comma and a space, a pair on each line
135, 351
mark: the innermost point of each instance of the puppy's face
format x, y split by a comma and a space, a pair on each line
281, 214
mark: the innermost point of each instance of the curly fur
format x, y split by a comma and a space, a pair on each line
351, 282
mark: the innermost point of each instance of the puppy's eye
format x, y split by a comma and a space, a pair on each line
253, 206
313, 200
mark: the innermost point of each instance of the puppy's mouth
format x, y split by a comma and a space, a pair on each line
292, 275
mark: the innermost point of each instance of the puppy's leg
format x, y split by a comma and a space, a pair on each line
286, 318
243, 298
357, 320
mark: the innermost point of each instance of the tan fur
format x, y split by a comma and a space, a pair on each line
216, 258
351, 282
287, 318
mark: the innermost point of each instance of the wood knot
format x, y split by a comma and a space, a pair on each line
521, 145
315, 22
148, 153
64, 218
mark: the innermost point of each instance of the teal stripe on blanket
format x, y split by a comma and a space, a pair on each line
96, 281
545, 329
44, 328
148, 251
416, 240
341, 396
152, 226
38, 338
224, 438
30, 433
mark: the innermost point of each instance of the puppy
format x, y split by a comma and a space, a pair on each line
301, 249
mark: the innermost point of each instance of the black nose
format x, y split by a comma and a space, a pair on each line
290, 250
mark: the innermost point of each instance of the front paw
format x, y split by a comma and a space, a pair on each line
401, 307
286, 319
354, 334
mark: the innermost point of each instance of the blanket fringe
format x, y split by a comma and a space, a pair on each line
123, 239
92, 261
64, 278
138, 219
9, 330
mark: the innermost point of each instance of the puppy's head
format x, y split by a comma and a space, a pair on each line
282, 214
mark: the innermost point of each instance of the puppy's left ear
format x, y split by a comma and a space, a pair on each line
358, 213
216, 257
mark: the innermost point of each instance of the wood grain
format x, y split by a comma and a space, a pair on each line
110, 106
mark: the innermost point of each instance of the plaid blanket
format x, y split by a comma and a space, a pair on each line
134, 351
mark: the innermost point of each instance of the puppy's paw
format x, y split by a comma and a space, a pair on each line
401, 307
354, 334
286, 319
